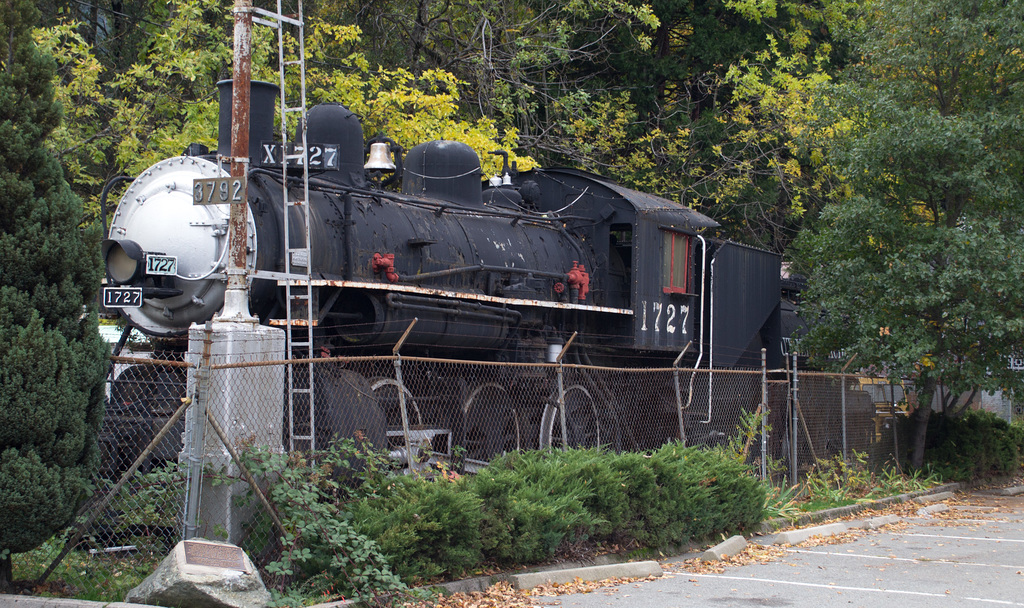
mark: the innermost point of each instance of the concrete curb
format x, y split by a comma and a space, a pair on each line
927, 511
590, 573
930, 498
794, 537
780, 523
610, 566
1014, 491
27, 601
729, 546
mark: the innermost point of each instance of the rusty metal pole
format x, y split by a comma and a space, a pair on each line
842, 384
794, 425
236, 298
679, 396
561, 393
764, 414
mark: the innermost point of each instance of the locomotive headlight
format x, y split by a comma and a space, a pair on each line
125, 261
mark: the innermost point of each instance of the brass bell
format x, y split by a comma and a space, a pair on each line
380, 158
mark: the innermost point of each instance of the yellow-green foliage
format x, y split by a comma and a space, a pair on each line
163, 102
408, 108
167, 98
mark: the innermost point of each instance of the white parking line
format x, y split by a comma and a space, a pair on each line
962, 519
771, 581
905, 559
994, 540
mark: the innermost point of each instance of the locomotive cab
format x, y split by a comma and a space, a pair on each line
650, 257
627, 230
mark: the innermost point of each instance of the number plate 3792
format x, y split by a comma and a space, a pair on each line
218, 190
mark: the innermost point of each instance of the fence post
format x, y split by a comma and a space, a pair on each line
401, 396
561, 392
195, 434
561, 408
764, 414
679, 396
842, 376
895, 432
793, 432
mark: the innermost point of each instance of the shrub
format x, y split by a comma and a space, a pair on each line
535, 501
529, 509
425, 528
1017, 437
321, 548
643, 495
977, 444
703, 492
52, 359
350, 529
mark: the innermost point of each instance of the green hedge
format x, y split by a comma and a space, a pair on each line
426, 528
977, 444
526, 507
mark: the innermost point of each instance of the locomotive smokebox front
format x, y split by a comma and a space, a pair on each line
174, 245
179, 248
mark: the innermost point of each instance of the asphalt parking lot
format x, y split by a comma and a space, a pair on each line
969, 555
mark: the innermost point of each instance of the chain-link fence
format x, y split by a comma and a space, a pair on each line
174, 428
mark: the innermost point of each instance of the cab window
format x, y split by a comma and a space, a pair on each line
676, 262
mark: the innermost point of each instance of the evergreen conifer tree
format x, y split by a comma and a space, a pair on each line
52, 360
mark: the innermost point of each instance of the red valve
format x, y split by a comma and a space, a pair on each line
559, 287
579, 278
385, 263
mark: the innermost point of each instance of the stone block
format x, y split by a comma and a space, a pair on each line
929, 510
203, 574
929, 498
877, 522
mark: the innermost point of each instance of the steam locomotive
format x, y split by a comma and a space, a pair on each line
504, 269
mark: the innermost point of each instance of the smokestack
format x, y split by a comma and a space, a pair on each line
262, 102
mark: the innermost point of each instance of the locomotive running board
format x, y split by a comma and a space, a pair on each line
460, 295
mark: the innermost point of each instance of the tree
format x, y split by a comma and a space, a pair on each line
52, 360
706, 116
137, 83
916, 265
121, 118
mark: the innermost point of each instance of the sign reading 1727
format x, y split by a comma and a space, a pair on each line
319, 156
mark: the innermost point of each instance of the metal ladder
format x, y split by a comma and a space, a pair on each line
299, 318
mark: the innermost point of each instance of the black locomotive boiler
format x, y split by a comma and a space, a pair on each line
503, 270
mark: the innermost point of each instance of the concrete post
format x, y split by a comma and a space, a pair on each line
249, 403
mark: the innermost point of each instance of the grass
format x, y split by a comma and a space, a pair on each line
82, 575
837, 483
